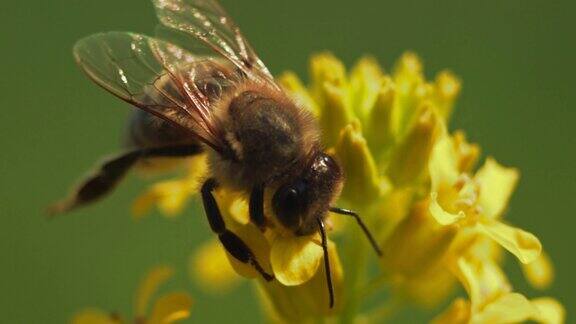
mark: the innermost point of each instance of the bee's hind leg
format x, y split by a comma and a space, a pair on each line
231, 242
111, 171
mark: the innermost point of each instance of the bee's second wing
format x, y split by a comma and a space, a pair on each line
204, 26
155, 76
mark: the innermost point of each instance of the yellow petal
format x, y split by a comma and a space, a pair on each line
295, 259
239, 211
548, 311
540, 272
443, 164
171, 308
497, 184
148, 287
509, 308
173, 197
443, 217
297, 304
259, 246
233, 206
524, 245
210, 267
170, 196
143, 204
483, 280
94, 316
457, 313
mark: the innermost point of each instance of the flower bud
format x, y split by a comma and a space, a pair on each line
325, 68
362, 182
408, 66
447, 90
298, 92
335, 113
379, 124
409, 81
365, 82
410, 160
417, 243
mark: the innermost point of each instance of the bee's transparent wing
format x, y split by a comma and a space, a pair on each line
203, 25
156, 76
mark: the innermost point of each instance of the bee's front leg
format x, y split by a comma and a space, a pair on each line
256, 207
231, 242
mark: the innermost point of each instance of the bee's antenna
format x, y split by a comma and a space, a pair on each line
348, 212
326, 261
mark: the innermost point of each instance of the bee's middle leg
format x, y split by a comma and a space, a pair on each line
231, 242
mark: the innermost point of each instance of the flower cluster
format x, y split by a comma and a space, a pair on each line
436, 216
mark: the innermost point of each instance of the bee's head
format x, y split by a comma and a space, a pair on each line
301, 200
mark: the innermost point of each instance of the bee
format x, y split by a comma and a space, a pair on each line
201, 88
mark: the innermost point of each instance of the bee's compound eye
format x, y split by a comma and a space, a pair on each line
291, 196
289, 203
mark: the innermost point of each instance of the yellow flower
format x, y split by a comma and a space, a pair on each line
438, 221
477, 202
169, 308
209, 266
540, 272
492, 299
295, 261
296, 303
171, 195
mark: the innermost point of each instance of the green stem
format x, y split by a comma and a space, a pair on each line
373, 286
385, 312
356, 265
319, 320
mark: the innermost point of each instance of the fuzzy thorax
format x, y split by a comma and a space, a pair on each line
267, 134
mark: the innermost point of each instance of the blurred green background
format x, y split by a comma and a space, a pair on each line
516, 59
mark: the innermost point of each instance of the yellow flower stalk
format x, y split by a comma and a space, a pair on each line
437, 219
169, 308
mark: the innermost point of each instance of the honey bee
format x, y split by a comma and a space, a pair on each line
200, 87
